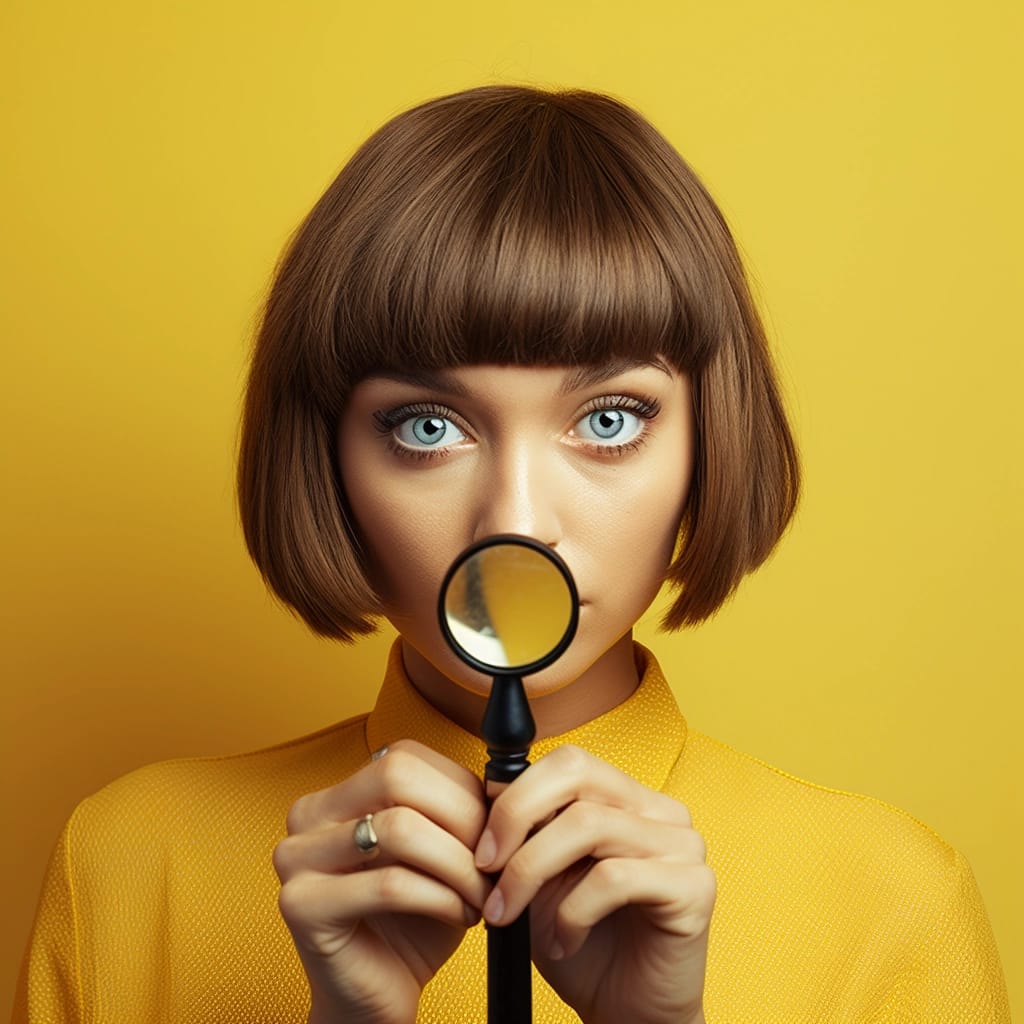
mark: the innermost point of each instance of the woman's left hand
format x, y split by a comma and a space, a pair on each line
620, 896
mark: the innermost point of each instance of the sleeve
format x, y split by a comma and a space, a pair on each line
959, 976
49, 987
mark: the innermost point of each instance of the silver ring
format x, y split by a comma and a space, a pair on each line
378, 754
364, 836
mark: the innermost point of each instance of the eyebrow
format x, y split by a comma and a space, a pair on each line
430, 380
588, 376
580, 377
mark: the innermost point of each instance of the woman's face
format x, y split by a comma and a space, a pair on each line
593, 461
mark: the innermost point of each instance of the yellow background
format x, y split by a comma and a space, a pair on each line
157, 155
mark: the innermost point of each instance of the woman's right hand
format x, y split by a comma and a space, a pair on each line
373, 928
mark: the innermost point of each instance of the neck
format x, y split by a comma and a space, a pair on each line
603, 686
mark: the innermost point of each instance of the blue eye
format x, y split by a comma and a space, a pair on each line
428, 432
609, 426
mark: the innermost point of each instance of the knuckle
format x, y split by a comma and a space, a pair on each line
584, 817
507, 808
400, 825
518, 871
611, 873
682, 814
394, 771
668, 810
404, 747
299, 815
283, 857
700, 847
293, 901
503, 813
568, 917
705, 887
571, 760
393, 885
702, 888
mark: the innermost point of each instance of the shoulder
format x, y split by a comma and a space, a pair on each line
737, 795
823, 854
173, 863
189, 802
894, 910
318, 758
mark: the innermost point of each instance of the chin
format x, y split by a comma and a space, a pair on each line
550, 680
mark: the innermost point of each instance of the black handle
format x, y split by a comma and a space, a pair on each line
509, 974
508, 730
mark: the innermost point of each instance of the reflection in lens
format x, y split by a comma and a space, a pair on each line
509, 604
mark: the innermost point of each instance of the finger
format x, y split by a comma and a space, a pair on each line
586, 830
566, 775
677, 898
404, 836
410, 774
324, 910
391, 764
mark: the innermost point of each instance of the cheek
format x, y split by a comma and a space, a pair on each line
677, 477
656, 523
404, 544
660, 500
372, 522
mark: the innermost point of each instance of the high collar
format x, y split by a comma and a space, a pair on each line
643, 736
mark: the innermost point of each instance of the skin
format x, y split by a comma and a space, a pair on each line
597, 464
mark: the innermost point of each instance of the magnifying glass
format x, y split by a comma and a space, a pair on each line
508, 607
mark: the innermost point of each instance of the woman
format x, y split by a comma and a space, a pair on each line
513, 311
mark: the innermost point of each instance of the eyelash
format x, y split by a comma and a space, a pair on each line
388, 420
646, 408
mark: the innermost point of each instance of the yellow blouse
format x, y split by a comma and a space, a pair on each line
160, 903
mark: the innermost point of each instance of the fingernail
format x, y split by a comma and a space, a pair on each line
494, 908
556, 952
486, 850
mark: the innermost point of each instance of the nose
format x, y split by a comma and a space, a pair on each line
519, 492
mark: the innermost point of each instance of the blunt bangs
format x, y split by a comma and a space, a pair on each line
532, 228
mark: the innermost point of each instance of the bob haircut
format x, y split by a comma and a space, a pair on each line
508, 225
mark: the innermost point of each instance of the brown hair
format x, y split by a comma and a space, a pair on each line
508, 225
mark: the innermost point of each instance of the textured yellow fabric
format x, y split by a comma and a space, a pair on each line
161, 902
